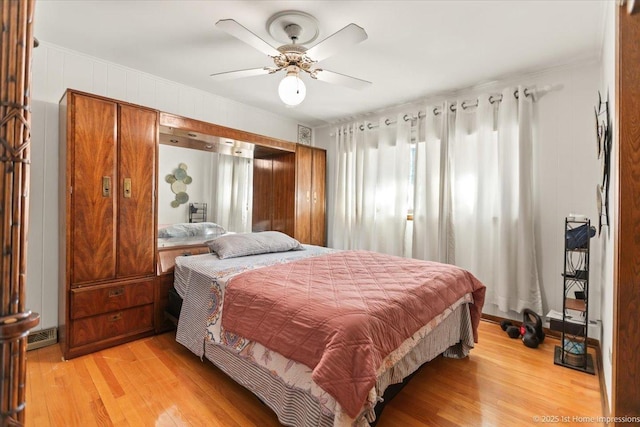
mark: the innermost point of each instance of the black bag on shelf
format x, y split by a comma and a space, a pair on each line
579, 237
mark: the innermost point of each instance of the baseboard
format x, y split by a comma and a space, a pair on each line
604, 397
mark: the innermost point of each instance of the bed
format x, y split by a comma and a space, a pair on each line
290, 325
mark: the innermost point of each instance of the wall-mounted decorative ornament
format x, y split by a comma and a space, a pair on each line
304, 135
179, 181
604, 135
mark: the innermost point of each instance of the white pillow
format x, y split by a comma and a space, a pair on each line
243, 244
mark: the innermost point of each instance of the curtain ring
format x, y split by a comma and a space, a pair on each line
361, 127
493, 99
387, 122
369, 126
465, 106
452, 107
436, 111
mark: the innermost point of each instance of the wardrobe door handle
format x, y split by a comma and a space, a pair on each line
127, 188
106, 186
308, 196
315, 197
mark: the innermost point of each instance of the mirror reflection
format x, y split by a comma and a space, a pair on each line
216, 186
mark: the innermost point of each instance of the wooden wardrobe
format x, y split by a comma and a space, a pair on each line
108, 153
310, 195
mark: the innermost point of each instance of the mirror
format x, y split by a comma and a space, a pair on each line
216, 181
219, 164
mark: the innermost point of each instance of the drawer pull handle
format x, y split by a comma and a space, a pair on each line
115, 317
116, 292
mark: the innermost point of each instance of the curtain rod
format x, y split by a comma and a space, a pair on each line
492, 100
436, 111
388, 122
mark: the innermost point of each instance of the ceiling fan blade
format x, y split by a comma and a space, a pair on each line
349, 35
241, 33
238, 74
340, 79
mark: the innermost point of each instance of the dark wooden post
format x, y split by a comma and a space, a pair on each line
15, 120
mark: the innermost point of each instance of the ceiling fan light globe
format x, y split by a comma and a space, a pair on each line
292, 90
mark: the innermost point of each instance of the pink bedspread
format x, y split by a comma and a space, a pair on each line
342, 314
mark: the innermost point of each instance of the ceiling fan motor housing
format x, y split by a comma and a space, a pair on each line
293, 31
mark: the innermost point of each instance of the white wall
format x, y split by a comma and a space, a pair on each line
566, 166
54, 70
199, 169
607, 241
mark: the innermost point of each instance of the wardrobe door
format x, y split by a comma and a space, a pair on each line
318, 204
92, 219
284, 181
262, 214
136, 183
304, 160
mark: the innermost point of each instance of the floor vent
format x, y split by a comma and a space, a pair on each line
43, 338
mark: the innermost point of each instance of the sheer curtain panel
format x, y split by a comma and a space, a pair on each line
482, 218
372, 186
232, 204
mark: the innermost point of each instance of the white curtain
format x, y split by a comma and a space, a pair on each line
231, 193
476, 189
481, 218
432, 229
372, 186
517, 285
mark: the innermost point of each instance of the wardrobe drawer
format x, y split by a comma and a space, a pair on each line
167, 257
111, 325
99, 299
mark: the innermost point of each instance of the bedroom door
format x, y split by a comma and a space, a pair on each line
625, 394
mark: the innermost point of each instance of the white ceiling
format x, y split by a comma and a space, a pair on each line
415, 48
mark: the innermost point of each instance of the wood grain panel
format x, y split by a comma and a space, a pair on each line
304, 159
102, 299
261, 217
94, 154
114, 324
626, 335
284, 182
136, 214
161, 303
167, 257
318, 200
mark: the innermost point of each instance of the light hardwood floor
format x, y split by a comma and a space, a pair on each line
157, 382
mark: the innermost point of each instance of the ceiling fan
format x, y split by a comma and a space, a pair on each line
295, 28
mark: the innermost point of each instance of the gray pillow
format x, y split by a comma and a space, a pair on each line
242, 244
